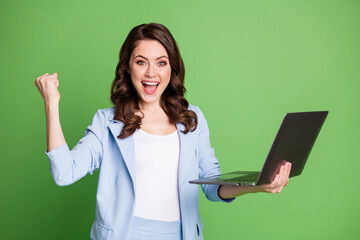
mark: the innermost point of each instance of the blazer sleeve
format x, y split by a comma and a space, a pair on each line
208, 163
68, 166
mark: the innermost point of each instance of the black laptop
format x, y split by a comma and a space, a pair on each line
293, 143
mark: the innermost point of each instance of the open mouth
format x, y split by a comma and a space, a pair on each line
150, 86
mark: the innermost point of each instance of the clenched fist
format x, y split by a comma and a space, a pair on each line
48, 87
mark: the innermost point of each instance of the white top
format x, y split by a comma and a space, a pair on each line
156, 185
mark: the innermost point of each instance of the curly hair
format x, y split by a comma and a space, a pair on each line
172, 101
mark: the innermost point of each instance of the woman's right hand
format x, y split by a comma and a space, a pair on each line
48, 87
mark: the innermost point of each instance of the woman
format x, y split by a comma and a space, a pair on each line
148, 146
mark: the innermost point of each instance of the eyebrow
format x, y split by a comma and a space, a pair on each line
148, 59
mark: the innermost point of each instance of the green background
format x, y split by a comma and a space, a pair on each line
247, 64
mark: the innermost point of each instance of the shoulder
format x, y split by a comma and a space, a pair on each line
103, 117
108, 113
198, 112
195, 109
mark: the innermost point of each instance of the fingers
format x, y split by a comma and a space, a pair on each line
281, 179
39, 85
47, 85
284, 176
46, 74
288, 170
275, 183
42, 80
54, 75
57, 81
38, 79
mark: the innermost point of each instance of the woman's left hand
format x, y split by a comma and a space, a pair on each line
281, 180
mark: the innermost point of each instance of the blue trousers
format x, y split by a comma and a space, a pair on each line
146, 229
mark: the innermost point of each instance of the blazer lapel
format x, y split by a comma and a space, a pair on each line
186, 152
126, 146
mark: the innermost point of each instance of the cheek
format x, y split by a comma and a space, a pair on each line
135, 74
166, 74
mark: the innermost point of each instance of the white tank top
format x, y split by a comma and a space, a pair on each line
156, 184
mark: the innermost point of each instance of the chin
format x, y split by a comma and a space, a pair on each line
149, 99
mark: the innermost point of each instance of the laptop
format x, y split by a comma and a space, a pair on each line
293, 143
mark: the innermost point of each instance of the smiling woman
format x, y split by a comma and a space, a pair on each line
148, 147
151, 73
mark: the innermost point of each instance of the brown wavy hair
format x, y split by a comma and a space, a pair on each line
172, 101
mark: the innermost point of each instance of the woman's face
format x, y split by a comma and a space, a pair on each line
150, 71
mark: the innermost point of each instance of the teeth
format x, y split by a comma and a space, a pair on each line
150, 83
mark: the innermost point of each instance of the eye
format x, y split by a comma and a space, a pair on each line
162, 63
140, 62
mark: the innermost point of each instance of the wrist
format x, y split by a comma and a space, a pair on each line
51, 104
258, 189
51, 107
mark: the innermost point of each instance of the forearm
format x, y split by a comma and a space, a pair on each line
54, 134
228, 191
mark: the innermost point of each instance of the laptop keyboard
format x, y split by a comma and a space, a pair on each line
246, 179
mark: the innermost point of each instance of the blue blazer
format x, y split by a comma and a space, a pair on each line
115, 198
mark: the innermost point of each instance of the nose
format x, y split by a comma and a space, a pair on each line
150, 71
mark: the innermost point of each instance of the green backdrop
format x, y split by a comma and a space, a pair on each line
247, 64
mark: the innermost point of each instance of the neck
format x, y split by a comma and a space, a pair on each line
150, 107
